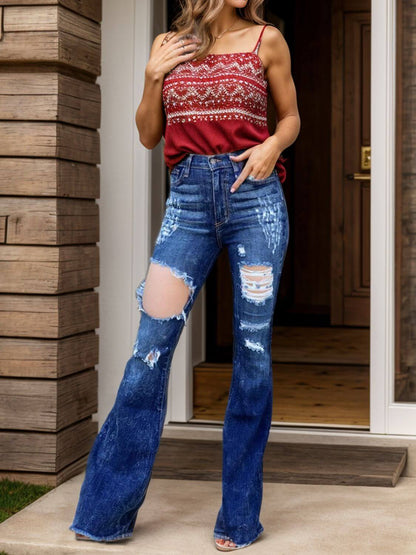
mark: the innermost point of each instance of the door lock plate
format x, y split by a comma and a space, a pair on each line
366, 157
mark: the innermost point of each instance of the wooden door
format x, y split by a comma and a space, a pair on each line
350, 252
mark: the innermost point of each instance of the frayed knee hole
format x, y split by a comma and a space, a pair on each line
164, 294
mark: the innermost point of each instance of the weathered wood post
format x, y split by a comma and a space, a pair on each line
50, 55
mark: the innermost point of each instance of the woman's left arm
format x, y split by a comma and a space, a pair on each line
262, 158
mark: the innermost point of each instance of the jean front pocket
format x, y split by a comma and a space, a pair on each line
268, 179
177, 174
266, 184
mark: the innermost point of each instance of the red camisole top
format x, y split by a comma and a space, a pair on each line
216, 105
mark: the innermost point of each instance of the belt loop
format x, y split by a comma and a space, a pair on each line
188, 164
237, 167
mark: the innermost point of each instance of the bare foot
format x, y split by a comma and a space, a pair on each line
225, 543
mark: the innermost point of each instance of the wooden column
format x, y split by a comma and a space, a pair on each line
50, 55
405, 383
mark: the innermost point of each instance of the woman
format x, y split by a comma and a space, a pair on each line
206, 93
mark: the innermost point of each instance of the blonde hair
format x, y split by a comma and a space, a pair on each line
196, 17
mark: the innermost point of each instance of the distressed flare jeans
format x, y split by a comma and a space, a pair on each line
201, 217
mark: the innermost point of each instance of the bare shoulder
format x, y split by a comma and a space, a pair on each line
274, 47
273, 37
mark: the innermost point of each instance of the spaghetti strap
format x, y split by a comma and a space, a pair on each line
256, 48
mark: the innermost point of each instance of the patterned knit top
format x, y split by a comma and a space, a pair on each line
216, 105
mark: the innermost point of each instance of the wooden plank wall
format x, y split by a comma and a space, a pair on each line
405, 383
50, 57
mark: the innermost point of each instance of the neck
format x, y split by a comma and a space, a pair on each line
225, 19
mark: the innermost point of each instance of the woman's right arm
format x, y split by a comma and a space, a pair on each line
163, 57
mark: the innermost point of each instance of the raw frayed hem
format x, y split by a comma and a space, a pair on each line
114, 537
220, 536
236, 546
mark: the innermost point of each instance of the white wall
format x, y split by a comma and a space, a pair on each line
124, 205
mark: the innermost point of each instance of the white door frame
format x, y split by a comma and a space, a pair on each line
386, 416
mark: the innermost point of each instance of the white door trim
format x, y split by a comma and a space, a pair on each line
386, 416
124, 178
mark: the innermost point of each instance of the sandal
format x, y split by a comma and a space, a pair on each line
82, 537
229, 547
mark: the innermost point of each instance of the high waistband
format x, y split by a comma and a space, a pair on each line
212, 161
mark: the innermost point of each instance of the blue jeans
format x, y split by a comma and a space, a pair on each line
201, 217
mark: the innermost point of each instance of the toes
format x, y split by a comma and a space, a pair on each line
225, 543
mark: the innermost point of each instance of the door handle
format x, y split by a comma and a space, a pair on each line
359, 176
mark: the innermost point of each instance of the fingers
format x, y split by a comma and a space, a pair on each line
249, 171
243, 155
180, 56
241, 178
186, 49
245, 171
182, 49
167, 38
189, 45
178, 51
182, 42
174, 50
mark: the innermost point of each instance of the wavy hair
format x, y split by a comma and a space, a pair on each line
196, 16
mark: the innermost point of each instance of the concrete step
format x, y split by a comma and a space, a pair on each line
178, 516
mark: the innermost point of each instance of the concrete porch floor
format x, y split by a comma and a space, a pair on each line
177, 517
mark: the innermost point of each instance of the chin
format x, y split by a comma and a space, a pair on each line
237, 3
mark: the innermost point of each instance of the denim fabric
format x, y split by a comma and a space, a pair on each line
202, 216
